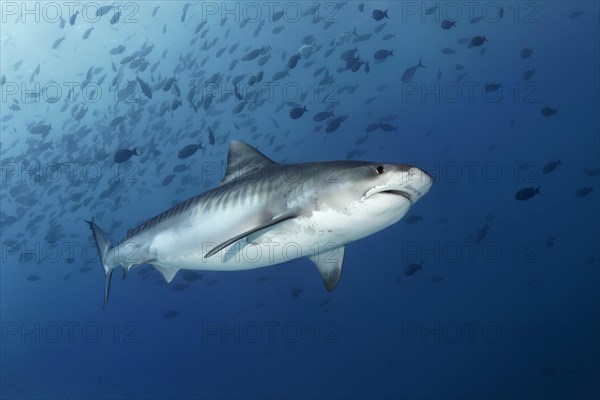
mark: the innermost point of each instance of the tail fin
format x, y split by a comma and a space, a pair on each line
103, 244
420, 64
135, 153
354, 32
537, 190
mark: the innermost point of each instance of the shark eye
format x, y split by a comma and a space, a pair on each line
379, 170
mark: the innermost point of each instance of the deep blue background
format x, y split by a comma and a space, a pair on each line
507, 316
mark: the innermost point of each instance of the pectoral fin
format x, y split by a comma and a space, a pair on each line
234, 239
329, 263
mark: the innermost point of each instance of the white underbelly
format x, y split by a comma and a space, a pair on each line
288, 241
185, 245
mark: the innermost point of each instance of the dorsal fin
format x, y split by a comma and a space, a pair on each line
243, 159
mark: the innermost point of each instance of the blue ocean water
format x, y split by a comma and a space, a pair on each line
504, 299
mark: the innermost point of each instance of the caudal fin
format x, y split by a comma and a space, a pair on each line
103, 244
421, 64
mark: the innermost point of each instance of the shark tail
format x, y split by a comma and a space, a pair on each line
421, 64
104, 246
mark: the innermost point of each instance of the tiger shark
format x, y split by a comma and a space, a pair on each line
265, 213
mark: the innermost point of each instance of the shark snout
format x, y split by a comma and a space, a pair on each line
414, 183
419, 183
427, 175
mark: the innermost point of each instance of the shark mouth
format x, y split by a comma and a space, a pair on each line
375, 191
398, 193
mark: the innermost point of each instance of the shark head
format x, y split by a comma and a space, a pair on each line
402, 180
361, 198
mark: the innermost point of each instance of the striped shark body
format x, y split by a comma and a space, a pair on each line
265, 213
